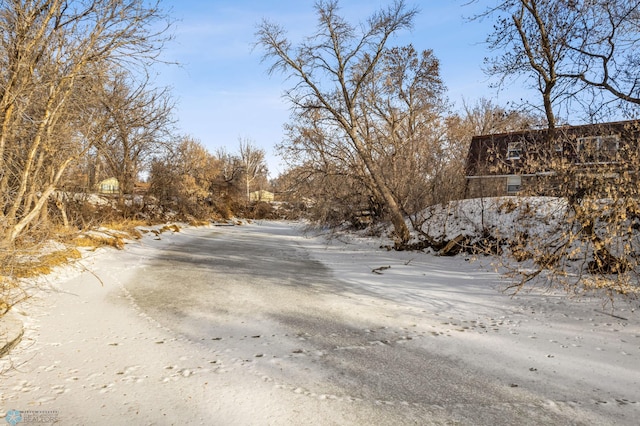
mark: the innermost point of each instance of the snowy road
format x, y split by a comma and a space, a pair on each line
260, 325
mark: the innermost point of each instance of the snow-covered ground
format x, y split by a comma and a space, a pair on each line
90, 355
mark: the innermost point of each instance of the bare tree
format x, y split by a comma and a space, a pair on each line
605, 49
228, 184
582, 56
403, 106
183, 178
530, 37
330, 69
136, 121
484, 117
49, 52
400, 108
253, 164
326, 174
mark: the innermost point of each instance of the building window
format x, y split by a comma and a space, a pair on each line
513, 184
598, 149
514, 149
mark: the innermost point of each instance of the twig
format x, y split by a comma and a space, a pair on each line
84, 268
378, 270
611, 315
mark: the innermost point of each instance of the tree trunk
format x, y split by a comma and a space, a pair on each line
401, 231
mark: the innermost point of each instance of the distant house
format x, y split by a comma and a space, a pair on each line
108, 186
262, 195
509, 163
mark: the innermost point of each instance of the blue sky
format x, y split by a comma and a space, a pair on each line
224, 92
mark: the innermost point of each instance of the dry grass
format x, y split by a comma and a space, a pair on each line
198, 222
173, 228
33, 266
97, 240
112, 234
128, 227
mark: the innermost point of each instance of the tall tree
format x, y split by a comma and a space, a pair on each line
530, 38
403, 106
327, 171
182, 179
50, 53
253, 163
400, 108
330, 69
136, 120
228, 184
581, 56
